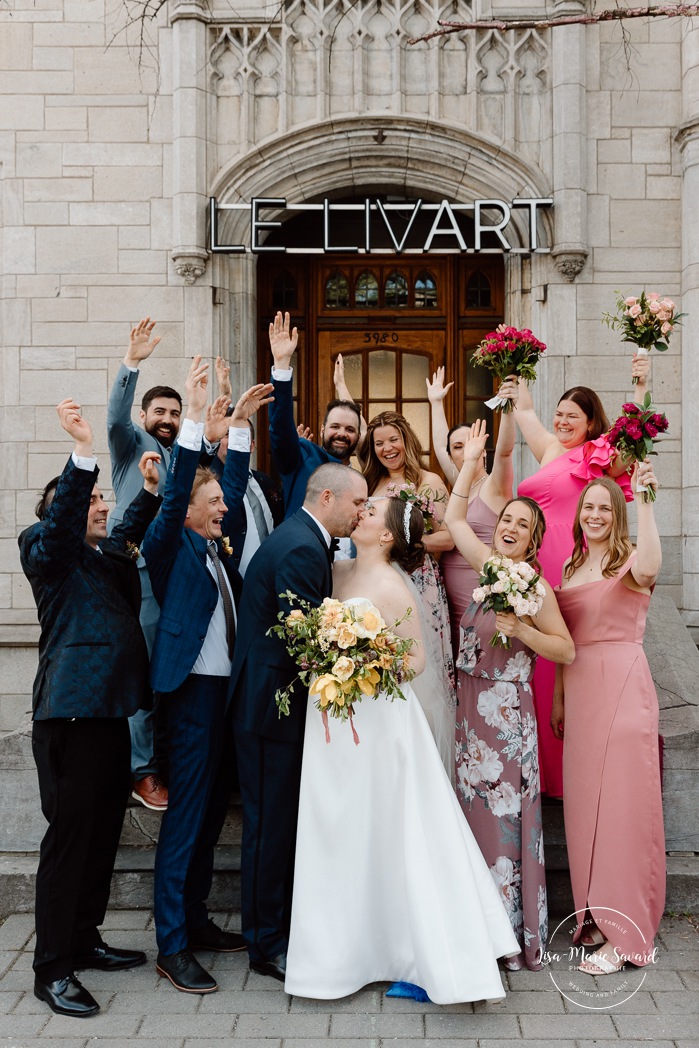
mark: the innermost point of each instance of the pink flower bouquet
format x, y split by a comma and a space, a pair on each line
634, 433
647, 321
508, 351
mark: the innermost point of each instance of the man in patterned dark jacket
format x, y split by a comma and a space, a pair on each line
92, 675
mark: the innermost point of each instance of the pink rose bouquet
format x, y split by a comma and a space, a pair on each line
634, 433
647, 321
508, 351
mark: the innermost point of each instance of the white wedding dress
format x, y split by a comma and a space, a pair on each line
389, 883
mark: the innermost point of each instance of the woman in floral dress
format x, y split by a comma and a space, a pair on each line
497, 763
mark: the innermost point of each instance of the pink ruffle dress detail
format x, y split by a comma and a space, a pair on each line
611, 769
557, 488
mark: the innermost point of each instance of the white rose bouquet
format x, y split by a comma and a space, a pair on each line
344, 652
506, 585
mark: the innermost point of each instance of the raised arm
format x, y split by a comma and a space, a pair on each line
465, 539
502, 474
121, 432
436, 392
283, 436
543, 445
342, 391
234, 481
142, 510
649, 557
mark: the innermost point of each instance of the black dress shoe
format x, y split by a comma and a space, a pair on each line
109, 959
185, 973
209, 937
276, 967
67, 996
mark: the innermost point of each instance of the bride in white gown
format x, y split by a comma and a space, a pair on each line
389, 883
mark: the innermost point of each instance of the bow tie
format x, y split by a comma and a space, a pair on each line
333, 548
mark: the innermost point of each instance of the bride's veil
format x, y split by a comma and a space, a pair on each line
432, 686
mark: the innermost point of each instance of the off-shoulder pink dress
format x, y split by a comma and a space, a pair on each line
557, 488
611, 770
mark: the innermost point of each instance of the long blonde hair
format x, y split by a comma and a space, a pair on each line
620, 545
372, 469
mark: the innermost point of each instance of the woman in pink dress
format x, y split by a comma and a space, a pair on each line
607, 704
489, 493
573, 454
497, 766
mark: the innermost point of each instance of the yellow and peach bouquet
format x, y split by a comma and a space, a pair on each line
345, 652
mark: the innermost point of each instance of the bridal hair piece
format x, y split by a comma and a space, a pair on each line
407, 513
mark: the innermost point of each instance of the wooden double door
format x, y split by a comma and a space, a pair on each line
395, 320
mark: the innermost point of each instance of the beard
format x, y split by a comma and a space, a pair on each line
340, 448
164, 432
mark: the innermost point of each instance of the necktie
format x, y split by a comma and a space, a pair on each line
258, 513
226, 596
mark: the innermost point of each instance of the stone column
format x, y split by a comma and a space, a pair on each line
569, 141
688, 139
189, 19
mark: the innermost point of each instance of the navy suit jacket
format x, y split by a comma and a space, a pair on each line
176, 559
294, 557
92, 655
294, 457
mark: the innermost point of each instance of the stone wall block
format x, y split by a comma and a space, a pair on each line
614, 151
88, 387
132, 183
16, 46
65, 118
118, 125
7, 514
131, 213
61, 309
36, 82
20, 249
626, 229
661, 264
100, 154
597, 221
65, 189
47, 358
646, 108
134, 238
46, 215
84, 250
651, 145
5, 602
16, 424
153, 262
22, 112
127, 305
114, 70
618, 179
667, 188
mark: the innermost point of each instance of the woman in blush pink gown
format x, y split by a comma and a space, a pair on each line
489, 493
606, 710
572, 455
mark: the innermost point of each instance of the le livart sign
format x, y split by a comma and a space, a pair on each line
378, 223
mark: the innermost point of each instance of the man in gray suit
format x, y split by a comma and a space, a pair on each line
161, 408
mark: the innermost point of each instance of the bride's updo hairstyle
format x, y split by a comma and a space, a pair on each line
407, 553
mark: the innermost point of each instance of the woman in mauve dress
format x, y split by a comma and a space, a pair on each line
497, 765
573, 454
607, 704
489, 493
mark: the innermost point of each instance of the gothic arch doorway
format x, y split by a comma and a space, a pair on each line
394, 318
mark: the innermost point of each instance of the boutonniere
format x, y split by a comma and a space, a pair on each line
132, 550
227, 548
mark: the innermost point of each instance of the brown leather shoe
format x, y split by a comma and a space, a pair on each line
150, 792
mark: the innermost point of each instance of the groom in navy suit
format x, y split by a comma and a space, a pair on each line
196, 586
297, 556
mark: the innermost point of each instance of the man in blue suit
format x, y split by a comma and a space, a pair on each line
196, 586
92, 675
297, 556
294, 457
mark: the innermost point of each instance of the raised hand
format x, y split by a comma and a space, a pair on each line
148, 466
436, 390
251, 401
282, 340
217, 419
304, 431
509, 389
75, 425
223, 377
645, 477
640, 369
140, 343
474, 444
195, 388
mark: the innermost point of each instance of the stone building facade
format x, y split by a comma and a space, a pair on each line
112, 144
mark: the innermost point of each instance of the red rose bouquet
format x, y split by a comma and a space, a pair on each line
647, 321
634, 433
508, 351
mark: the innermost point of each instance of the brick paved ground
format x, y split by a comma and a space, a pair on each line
141, 1010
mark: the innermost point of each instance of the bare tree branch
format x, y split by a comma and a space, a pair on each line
614, 15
